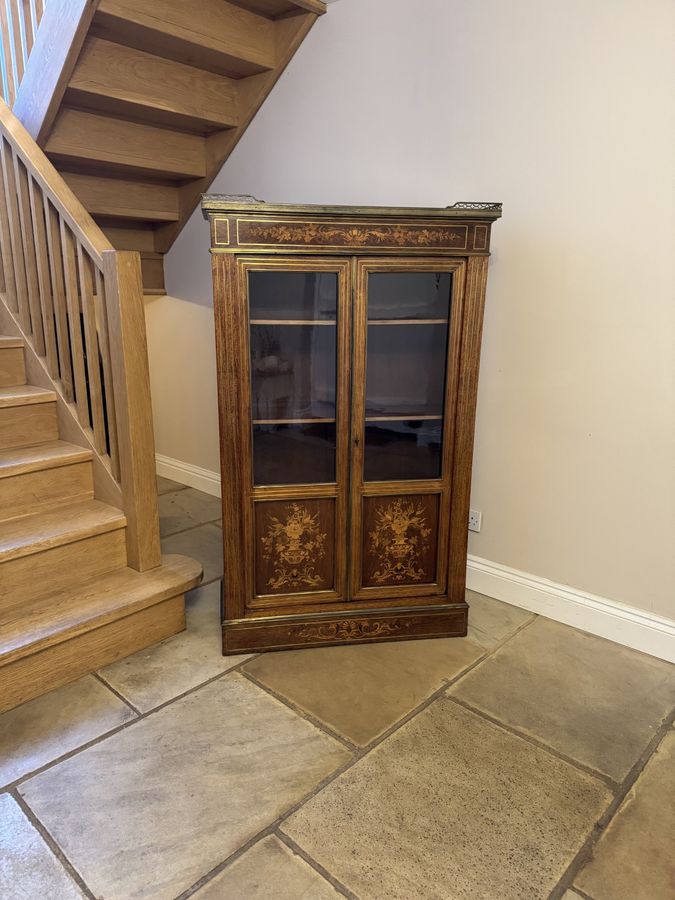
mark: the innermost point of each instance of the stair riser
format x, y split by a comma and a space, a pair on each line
40, 574
12, 368
24, 425
31, 492
34, 675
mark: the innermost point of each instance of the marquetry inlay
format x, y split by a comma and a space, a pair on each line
293, 546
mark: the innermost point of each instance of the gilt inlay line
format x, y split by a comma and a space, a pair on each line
399, 538
293, 546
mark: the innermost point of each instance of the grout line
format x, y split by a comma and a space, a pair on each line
117, 693
581, 893
536, 742
172, 534
324, 873
102, 737
322, 726
268, 829
52, 844
586, 852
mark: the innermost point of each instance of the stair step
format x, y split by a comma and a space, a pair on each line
64, 525
50, 455
137, 85
12, 363
24, 395
47, 643
212, 34
32, 479
91, 143
27, 416
277, 8
117, 198
44, 553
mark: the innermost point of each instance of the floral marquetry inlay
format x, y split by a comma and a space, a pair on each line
351, 234
348, 630
293, 545
398, 539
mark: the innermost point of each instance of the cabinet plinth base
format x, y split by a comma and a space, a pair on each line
259, 634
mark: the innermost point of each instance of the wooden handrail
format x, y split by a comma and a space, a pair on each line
78, 303
19, 21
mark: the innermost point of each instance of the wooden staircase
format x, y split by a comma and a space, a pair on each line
69, 603
117, 116
139, 102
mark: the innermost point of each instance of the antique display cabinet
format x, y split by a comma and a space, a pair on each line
348, 343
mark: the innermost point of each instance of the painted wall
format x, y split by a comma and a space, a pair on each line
560, 111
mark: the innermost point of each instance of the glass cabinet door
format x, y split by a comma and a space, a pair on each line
298, 333
403, 340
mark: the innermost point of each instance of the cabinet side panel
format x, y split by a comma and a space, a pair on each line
472, 328
230, 321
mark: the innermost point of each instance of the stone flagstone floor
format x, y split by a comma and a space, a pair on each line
528, 760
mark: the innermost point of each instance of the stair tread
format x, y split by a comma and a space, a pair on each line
24, 395
49, 455
31, 627
7, 342
57, 526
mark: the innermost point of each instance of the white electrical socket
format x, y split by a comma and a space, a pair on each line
475, 519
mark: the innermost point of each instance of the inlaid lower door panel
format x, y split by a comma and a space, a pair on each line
297, 358
406, 351
400, 540
295, 546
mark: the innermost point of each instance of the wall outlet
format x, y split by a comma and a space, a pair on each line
475, 519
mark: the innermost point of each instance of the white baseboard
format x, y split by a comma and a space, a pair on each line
606, 618
185, 473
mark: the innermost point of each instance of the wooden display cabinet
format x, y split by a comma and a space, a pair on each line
348, 343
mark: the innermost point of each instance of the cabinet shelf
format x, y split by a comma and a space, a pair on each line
293, 322
290, 421
408, 321
408, 418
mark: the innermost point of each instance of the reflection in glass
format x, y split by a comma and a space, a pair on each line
398, 450
293, 295
294, 454
293, 372
409, 295
405, 373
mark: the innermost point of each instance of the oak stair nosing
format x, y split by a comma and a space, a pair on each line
26, 630
10, 343
39, 457
65, 524
24, 395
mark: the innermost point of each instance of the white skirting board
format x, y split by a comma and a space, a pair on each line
608, 619
626, 625
185, 473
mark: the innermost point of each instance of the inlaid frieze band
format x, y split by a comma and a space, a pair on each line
389, 236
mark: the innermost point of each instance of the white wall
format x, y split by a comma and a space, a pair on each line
560, 111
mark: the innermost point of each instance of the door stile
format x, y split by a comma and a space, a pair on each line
465, 420
231, 326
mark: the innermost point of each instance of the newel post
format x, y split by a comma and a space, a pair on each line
131, 384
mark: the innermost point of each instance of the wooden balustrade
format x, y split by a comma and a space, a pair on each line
19, 21
79, 304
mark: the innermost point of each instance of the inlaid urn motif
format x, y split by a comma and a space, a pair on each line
293, 546
400, 536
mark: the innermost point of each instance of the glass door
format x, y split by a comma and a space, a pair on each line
406, 332
297, 356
